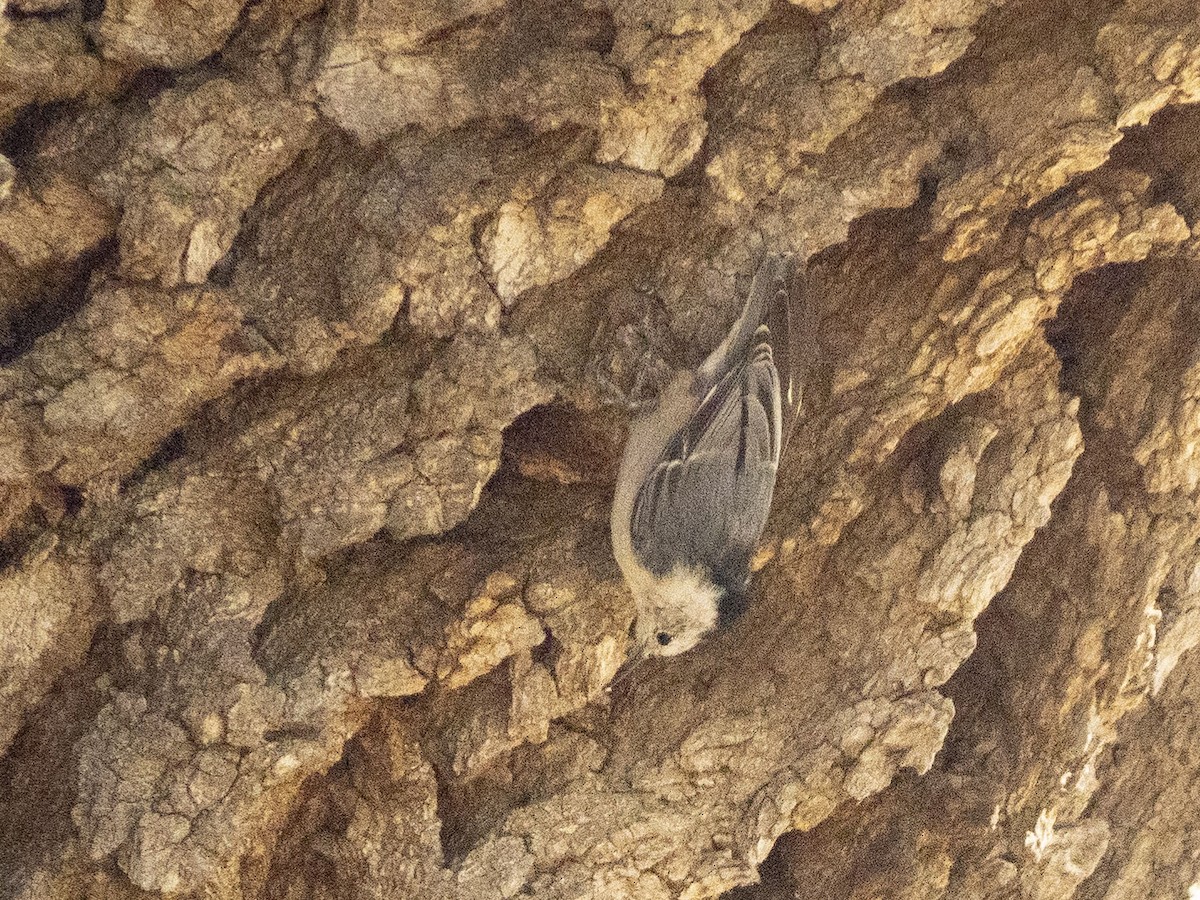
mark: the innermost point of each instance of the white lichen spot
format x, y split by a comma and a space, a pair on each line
1087, 782
1038, 840
1094, 726
205, 248
210, 729
289, 762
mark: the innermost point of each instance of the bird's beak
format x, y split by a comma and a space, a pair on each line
637, 655
637, 645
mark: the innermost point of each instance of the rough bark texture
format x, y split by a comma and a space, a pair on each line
320, 326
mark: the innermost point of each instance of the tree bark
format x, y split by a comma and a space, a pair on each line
321, 327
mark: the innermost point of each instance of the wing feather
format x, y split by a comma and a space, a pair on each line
709, 494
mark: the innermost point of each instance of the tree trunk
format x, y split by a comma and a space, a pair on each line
321, 327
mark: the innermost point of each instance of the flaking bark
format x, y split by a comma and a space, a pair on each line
320, 327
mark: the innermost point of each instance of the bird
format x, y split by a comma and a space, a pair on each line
698, 471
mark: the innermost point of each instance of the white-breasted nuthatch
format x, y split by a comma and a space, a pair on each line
698, 473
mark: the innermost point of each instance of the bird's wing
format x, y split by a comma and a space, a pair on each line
706, 500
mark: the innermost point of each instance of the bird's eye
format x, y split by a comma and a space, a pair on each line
663, 638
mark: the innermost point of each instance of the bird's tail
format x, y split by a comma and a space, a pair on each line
740, 338
779, 299
789, 319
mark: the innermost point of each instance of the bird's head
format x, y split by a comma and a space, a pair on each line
677, 611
